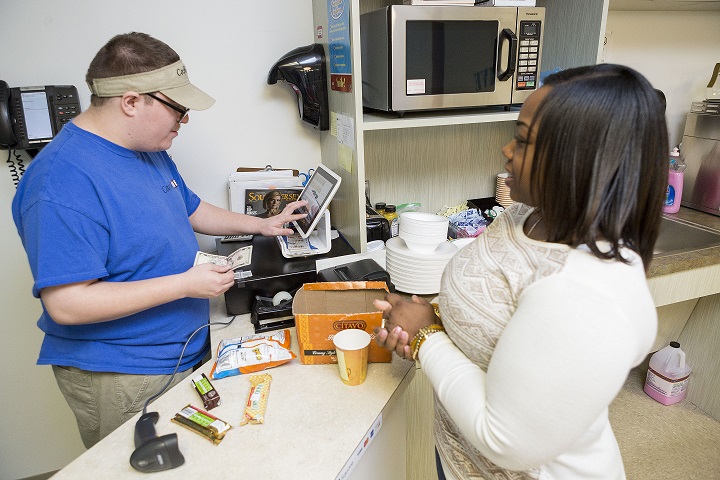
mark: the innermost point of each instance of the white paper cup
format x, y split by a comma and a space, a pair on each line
352, 346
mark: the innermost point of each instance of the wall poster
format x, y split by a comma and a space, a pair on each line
339, 45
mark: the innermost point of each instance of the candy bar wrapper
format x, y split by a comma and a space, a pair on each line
210, 396
257, 399
202, 423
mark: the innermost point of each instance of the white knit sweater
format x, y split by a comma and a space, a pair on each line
540, 339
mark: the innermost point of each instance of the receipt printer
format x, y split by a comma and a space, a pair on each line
362, 270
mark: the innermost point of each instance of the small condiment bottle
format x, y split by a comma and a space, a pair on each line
391, 214
380, 207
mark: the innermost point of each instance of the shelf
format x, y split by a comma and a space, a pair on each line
665, 5
470, 139
389, 121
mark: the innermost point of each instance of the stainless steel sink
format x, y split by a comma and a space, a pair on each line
678, 236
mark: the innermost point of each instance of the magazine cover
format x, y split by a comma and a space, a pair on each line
266, 202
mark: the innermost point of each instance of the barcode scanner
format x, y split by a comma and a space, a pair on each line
153, 453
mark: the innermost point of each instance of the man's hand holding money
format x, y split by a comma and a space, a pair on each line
213, 275
239, 258
208, 280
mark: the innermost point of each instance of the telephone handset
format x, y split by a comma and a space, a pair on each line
7, 137
31, 116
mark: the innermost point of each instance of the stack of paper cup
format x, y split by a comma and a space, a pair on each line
502, 192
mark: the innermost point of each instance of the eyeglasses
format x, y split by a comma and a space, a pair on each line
182, 111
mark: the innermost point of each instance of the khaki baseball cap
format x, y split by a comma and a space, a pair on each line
171, 80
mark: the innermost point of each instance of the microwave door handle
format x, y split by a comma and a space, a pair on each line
507, 34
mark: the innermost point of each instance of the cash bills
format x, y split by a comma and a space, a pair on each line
239, 258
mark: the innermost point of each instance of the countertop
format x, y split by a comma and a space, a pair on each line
688, 260
315, 425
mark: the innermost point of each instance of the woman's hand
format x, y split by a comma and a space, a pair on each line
275, 225
403, 319
396, 339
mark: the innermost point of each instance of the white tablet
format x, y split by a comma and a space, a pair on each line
318, 192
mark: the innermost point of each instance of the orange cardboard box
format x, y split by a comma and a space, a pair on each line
324, 308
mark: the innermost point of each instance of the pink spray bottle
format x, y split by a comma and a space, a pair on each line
675, 182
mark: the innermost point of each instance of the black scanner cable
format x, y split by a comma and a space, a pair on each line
162, 390
153, 453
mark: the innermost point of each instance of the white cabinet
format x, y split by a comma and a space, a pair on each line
439, 158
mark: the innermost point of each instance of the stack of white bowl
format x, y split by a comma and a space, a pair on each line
416, 258
423, 232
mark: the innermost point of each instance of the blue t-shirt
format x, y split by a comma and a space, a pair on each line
89, 209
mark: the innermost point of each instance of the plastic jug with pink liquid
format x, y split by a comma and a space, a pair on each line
668, 376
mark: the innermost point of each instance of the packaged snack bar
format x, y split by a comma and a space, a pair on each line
210, 396
202, 423
257, 399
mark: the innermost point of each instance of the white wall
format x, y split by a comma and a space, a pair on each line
228, 47
676, 51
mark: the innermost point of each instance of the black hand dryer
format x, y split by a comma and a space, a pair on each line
304, 69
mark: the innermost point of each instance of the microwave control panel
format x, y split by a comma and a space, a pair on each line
528, 55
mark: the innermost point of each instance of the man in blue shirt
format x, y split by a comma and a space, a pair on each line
109, 225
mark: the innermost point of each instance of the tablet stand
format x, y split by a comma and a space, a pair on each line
317, 243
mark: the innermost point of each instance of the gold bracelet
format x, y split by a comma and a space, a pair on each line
423, 335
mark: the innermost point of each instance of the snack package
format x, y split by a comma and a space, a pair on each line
202, 423
208, 394
448, 212
467, 224
408, 207
252, 353
257, 399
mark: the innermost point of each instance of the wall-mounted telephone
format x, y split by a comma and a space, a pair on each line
31, 116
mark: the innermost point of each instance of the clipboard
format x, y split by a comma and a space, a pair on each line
267, 168
258, 178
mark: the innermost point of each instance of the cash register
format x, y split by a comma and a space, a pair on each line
270, 272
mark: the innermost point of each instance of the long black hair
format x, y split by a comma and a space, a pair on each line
601, 165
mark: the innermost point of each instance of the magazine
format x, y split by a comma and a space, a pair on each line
268, 202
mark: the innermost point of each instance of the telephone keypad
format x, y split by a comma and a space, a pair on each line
62, 104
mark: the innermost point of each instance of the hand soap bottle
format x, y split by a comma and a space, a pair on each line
675, 182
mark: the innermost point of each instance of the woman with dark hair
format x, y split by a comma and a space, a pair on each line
544, 314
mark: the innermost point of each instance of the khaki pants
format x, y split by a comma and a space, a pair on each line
102, 401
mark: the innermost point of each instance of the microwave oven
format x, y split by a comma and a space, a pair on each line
436, 57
